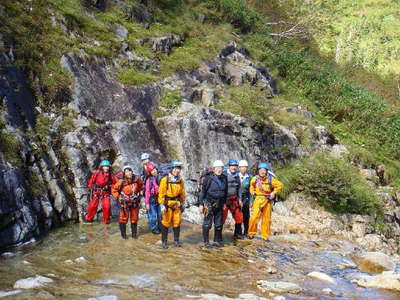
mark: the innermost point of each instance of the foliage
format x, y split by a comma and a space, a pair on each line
133, 77
334, 183
238, 13
10, 147
170, 99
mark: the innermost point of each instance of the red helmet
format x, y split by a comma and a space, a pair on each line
150, 167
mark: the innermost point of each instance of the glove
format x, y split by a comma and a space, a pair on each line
163, 209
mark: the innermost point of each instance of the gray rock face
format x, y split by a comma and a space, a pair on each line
164, 44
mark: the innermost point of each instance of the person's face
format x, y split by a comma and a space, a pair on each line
243, 170
262, 172
154, 172
106, 169
145, 161
128, 173
233, 169
176, 171
218, 171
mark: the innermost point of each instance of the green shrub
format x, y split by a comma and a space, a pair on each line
238, 13
133, 77
333, 182
247, 101
10, 147
170, 99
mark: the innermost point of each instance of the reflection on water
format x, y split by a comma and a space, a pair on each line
138, 269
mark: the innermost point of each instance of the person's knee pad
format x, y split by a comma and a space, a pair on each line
218, 227
206, 226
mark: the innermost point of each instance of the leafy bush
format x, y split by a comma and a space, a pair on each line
170, 99
238, 13
333, 182
135, 77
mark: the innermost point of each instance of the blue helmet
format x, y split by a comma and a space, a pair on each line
176, 164
144, 156
105, 163
264, 165
232, 162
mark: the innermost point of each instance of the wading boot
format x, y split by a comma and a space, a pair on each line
122, 228
164, 236
218, 239
206, 238
134, 231
177, 231
237, 235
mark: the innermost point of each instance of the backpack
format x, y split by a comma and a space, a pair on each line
203, 174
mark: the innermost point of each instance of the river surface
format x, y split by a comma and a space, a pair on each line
141, 269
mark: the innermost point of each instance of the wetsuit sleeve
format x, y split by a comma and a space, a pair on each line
115, 189
203, 192
162, 190
91, 180
277, 185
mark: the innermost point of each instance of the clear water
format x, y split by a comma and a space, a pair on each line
141, 269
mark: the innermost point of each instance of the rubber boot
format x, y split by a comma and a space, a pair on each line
218, 238
134, 231
237, 235
177, 231
164, 236
122, 228
206, 238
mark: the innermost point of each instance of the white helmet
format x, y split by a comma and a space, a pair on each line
218, 163
127, 167
243, 163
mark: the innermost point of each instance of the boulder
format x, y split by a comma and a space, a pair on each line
374, 262
386, 280
32, 282
321, 276
279, 287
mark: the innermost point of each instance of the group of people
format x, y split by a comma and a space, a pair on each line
248, 198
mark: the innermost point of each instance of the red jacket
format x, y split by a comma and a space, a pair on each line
101, 179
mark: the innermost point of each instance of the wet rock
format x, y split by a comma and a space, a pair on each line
44, 295
279, 287
80, 259
386, 280
374, 262
9, 293
32, 282
328, 291
240, 297
7, 254
321, 276
271, 270
142, 281
106, 297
